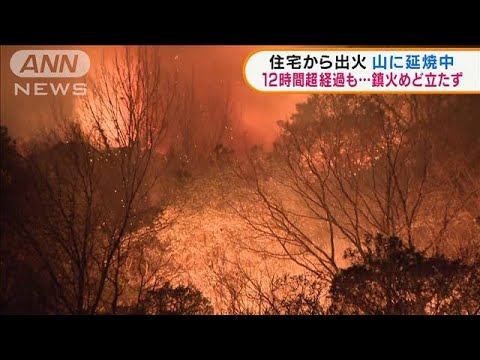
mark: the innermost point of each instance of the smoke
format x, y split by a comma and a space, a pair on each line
210, 67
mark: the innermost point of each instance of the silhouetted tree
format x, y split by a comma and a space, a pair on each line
24, 288
96, 188
303, 294
392, 278
349, 166
175, 300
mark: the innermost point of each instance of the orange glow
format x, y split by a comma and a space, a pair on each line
208, 66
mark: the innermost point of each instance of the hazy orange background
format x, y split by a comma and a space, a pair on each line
257, 112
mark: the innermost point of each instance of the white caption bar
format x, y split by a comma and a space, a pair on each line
365, 71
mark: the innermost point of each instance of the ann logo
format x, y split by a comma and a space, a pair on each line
58, 63
50, 63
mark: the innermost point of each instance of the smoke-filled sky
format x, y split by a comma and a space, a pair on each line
257, 112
